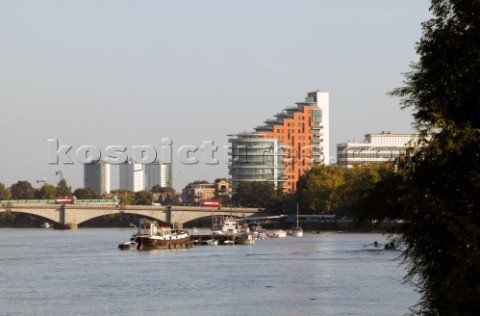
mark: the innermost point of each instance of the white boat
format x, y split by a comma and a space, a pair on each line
46, 225
278, 234
227, 226
212, 242
297, 232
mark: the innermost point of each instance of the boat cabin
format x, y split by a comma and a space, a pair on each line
153, 229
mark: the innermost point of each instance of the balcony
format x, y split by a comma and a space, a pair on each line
264, 128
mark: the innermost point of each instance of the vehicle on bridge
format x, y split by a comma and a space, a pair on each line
211, 203
64, 200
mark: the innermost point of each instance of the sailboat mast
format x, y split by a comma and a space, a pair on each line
297, 214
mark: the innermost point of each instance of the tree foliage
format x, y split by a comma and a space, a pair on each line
4, 192
143, 198
63, 189
47, 192
125, 197
318, 189
159, 189
255, 193
442, 188
22, 190
85, 193
347, 192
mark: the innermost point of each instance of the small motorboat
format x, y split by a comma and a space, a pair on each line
128, 245
212, 242
279, 234
246, 239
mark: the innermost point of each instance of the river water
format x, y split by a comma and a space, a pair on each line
51, 272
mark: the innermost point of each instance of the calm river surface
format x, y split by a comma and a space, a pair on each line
50, 272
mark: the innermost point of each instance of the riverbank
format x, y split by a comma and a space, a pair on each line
19, 220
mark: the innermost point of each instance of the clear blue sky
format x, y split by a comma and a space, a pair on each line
133, 72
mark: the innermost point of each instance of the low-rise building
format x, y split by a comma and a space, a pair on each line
376, 148
194, 193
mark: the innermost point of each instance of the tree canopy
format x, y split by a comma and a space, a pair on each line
159, 189
22, 190
85, 193
143, 198
254, 193
4, 192
63, 189
348, 192
47, 192
442, 200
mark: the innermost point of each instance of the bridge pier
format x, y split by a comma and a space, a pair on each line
70, 226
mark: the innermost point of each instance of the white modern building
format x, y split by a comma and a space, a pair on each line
131, 176
96, 175
255, 158
158, 173
376, 148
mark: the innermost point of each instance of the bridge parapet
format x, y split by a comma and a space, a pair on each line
71, 215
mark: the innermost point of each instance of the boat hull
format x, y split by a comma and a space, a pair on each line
297, 232
147, 243
128, 246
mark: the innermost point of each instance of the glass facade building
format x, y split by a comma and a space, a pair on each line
255, 158
158, 173
96, 175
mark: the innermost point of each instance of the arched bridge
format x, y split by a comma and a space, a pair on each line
69, 216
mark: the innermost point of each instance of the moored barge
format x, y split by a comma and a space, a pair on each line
151, 236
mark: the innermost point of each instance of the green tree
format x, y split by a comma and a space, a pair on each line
85, 193
158, 189
125, 197
442, 200
318, 190
143, 198
4, 192
22, 190
63, 189
361, 183
47, 192
255, 193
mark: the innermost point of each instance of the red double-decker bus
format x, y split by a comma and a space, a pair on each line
211, 203
64, 200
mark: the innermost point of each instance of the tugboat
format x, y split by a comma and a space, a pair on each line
151, 236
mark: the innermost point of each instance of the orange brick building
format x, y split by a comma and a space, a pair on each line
303, 132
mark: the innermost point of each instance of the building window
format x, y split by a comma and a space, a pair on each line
317, 116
